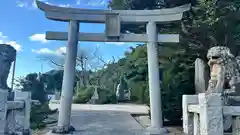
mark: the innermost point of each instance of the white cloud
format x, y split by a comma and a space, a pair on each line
92, 2
4, 40
2, 36
64, 5
34, 4
29, 4
43, 51
61, 50
15, 45
39, 38
21, 4
96, 2
78, 2
116, 43
47, 51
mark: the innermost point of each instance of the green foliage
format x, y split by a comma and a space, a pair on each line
211, 23
53, 79
83, 95
107, 96
34, 83
175, 83
137, 73
39, 115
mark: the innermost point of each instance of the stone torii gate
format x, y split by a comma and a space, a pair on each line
113, 20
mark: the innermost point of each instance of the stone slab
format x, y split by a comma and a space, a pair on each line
105, 123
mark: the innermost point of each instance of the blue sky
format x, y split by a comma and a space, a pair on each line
23, 26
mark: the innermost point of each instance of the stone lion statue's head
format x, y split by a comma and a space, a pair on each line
219, 55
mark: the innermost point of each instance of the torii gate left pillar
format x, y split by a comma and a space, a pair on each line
112, 19
68, 79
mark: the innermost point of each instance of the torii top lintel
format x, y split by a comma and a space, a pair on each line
99, 16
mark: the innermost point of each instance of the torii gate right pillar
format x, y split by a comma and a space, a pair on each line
154, 85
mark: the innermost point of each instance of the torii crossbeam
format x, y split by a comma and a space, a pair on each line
113, 20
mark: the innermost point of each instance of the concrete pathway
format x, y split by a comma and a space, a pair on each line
131, 108
105, 123
109, 119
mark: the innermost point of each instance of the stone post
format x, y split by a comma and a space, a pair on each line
3, 110
26, 112
188, 118
211, 114
196, 123
63, 125
236, 125
154, 81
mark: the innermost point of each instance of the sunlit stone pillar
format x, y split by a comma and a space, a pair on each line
63, 125
154, 83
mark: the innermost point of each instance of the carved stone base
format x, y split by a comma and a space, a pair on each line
6, 133
157, 131
63, 130
26, 132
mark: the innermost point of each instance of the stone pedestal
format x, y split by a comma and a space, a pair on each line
211, 114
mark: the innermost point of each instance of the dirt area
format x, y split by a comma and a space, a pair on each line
40, 132
145, 122
43, 131
46, 129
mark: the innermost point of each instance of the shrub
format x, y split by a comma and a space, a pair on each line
83, 95
39, 114
107, 96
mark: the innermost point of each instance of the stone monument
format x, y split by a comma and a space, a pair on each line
7, 56
95, 97
201, 76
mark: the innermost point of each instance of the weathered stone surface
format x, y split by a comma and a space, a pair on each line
7, 56
208, 120
211, 114
223, 58
3, 109
200, 76
236, 125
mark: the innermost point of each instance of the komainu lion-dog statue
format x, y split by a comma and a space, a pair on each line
224, 77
